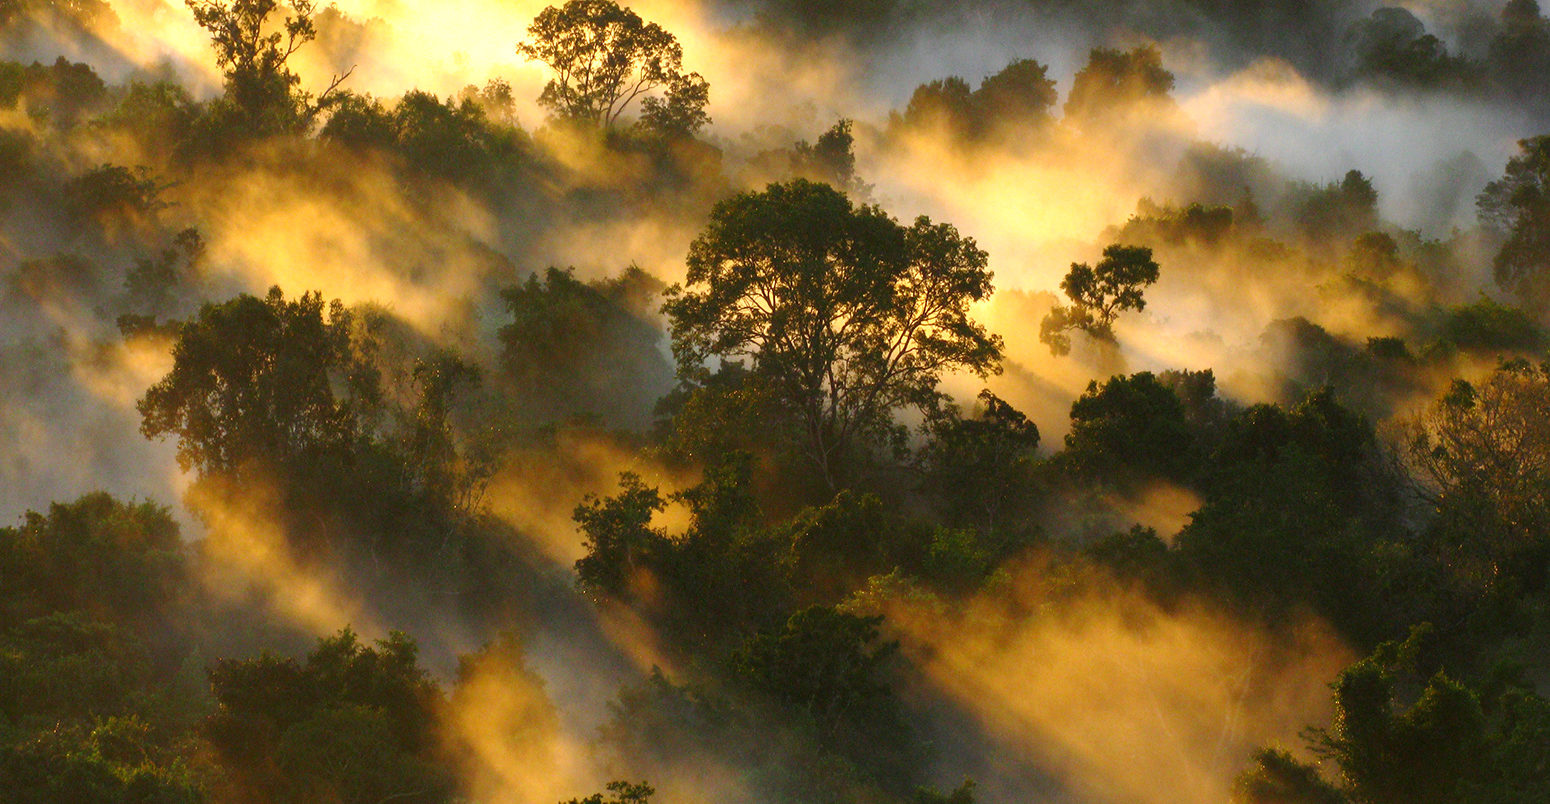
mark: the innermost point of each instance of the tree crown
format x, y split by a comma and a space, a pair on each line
604, 57
848, 313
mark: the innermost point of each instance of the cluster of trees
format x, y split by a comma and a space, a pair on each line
1503, 50
1015, 105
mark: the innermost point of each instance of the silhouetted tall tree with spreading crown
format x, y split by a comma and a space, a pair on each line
847, 313
604, 57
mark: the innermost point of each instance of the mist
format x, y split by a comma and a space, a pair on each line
381, 403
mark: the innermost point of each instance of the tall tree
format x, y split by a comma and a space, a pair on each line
1517, 207
254, 380
605, 57
1483, 452
979, 467
847, 313
1099, 294
1520, 53
254, 54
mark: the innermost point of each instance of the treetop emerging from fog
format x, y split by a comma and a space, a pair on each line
263, 95
604, 57
849, 314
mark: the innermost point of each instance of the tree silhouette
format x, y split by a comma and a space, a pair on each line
261, 89
1517, 207
1098, 295
1114, 82
621, 793
847, 313
254, 380
604, 57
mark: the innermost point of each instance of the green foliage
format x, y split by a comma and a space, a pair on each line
679, 113
66, 667
1326, 214
1194, 225
253, 381
1389, 348
1021, 94
443, 139
1206, 413
836, 546
1393, 47
1276, 777
1099, 294
90, 618
455, 140
1137, 555
810, 333
1118, 82
715, 581
587, 348
262, 97
117, 562
111, 191
1487, 326
351, 724
360, 121
85, 716
980, 469
946, 102
1129, 428
1517, 208
1375, 256
827, 669
155, 114
830, 160
1014, 102
431, 446
604, 57
1337, 442
1296, 502
275, 396
730, 410
834, 549
618, 535
1400, 736
495, 100
619, 793
1484, 451
845, 313
822, 663
65, 766
61, 94
958, 560
1373, 377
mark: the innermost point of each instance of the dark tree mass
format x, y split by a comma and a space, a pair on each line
774, 402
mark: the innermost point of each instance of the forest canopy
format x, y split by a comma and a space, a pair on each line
761, 401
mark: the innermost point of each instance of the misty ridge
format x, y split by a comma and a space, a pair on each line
880, 402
